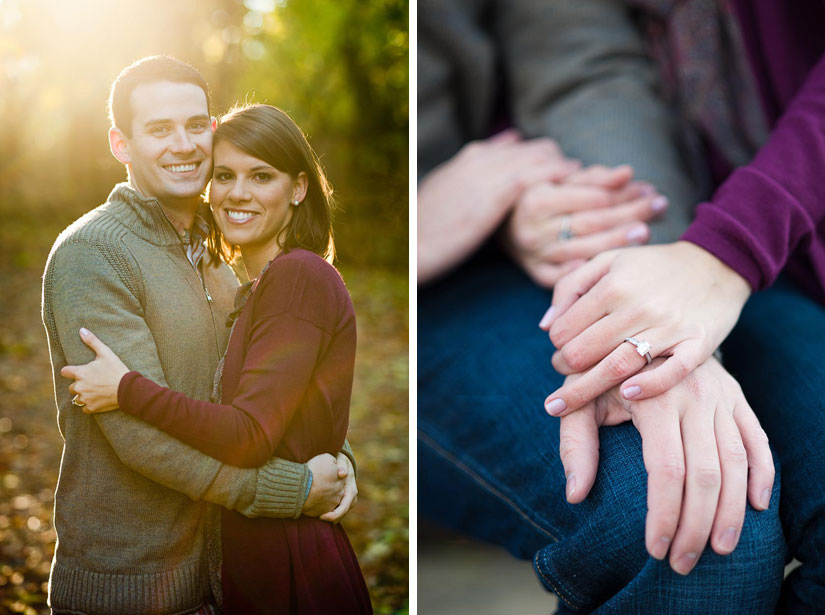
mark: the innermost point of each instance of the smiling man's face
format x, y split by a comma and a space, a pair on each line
170, 150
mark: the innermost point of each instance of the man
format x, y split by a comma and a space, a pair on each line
131, 506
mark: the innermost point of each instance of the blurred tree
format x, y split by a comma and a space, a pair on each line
340, 68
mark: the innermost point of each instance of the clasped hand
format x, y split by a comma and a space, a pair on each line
704, 452
531, 191
678, 297
600, 208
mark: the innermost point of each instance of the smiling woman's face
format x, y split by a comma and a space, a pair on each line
250, 199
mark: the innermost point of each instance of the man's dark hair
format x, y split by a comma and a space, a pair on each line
148, 70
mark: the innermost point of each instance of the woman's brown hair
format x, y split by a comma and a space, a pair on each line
267, 133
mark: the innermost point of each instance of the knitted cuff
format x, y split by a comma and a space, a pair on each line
281, 489
347, 450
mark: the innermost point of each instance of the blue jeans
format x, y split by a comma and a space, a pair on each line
776, 353
488, 462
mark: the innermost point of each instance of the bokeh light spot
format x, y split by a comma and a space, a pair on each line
213, 49
263, 6
254, 50
253, 20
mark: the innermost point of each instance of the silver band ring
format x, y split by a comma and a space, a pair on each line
76, 401
566, 232
642, 347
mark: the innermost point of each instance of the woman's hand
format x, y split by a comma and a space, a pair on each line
699, 441
678, 297
556, 227
329, 485
95, 384
350, 497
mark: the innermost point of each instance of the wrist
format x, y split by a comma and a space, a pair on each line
121, 393
724, 278
114, 396
308, 489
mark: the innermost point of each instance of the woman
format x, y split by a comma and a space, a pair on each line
749, 273
287, 374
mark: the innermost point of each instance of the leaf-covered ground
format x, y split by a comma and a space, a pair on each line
30, 445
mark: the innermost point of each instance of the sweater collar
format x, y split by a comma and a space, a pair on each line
145, 217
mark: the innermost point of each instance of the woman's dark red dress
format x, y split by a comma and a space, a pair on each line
287, 380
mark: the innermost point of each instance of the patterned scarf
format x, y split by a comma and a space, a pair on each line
242, 295
195, 241
705, 70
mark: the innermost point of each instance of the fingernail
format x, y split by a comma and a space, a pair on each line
766, 499
555, 407
631, 392
647, 190
658, 204
545, 321
84, 331
727, 541
637, 234
571, 486
660, 548
685, 563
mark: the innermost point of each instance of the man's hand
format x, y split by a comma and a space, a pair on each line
699, 441
598, 207
345, 470
678, 297
328, 486
464, 200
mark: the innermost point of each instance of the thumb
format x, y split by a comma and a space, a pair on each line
579, 451
554, 171
92, 341
604, 177
343, 465
509, 135
70, 371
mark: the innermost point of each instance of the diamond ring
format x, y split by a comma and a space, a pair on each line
76, 401
642, 347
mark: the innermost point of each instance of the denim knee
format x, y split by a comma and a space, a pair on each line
601, 565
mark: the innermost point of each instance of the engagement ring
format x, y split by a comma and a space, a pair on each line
642, 347
76, 401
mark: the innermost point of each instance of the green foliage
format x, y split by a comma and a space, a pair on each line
339, 67
342, 72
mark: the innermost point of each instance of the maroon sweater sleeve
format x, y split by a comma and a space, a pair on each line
771, 207
283, 349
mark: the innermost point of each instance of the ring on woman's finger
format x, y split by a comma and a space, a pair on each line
642, 347
566, 232
76, 401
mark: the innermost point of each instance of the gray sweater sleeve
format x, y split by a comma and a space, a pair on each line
92, 294
577, 71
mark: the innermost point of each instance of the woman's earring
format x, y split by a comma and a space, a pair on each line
296, 202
